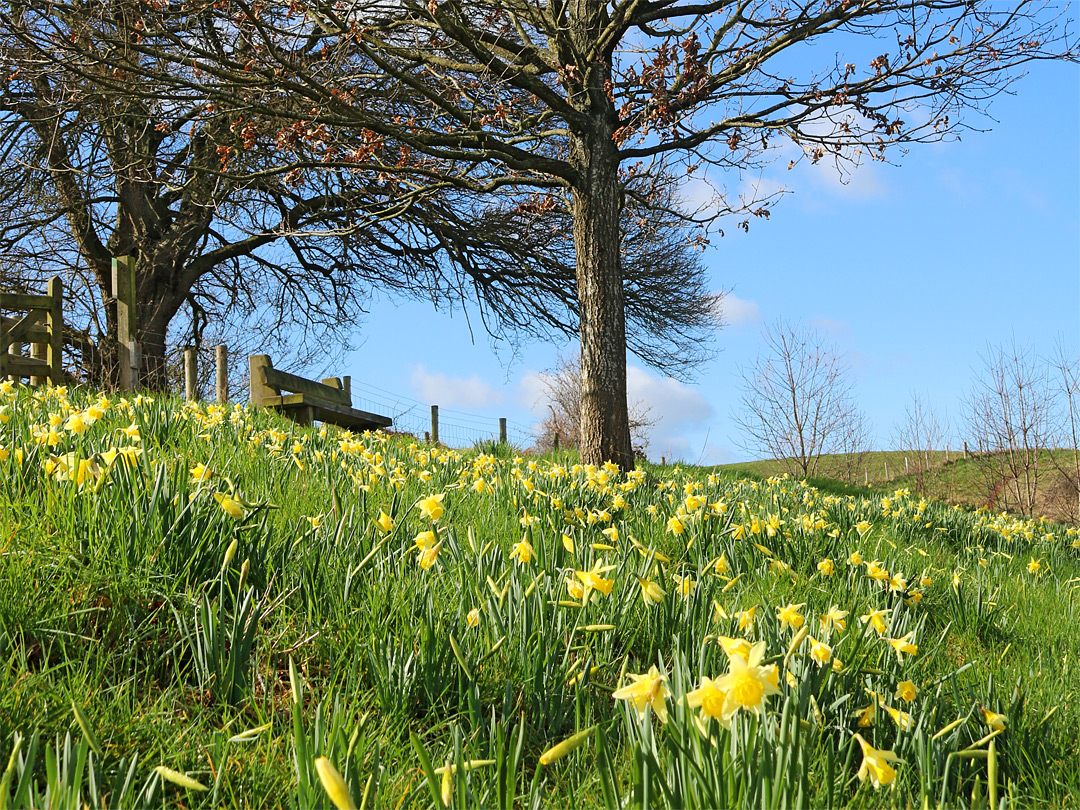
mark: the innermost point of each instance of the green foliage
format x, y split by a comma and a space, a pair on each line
199, 616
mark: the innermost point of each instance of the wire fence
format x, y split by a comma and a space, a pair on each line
456, 428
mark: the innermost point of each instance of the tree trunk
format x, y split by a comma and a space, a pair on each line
605, 423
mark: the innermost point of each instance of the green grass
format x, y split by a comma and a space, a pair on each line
236, 627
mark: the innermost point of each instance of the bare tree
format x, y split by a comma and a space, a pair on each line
591, 99
796, 401
1010, 419
1065, 368
247, 220
852, 450
920, 432
561, 427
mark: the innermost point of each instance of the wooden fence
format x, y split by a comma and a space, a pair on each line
41, 327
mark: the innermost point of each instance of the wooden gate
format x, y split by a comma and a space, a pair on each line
41, 327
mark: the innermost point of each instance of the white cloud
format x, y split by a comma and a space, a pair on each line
838, 329
453, 392
532, 392
737, 311
676, 408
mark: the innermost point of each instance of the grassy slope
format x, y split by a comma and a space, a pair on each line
952, 477
107, 590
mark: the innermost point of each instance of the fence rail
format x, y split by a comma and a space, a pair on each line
41, 327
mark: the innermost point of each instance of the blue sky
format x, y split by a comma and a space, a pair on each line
911, 270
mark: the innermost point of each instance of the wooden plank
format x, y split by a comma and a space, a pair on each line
18, 330
55, 322
25, 366
34, 333
283, 380
24, 301
331, 412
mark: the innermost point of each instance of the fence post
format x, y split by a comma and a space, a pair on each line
946, 454
502, 430
966, 453
37, 352
191, 370
346, 383
54, 354
886, 469
221, 376
434, 424
13, 349
123, 282
866, 477
555, 441
907, 471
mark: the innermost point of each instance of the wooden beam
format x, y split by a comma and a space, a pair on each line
283, 380
24, 301
332, 412
25, 366
35, 333
18, 332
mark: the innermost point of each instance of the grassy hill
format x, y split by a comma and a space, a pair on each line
204, 607
947, 476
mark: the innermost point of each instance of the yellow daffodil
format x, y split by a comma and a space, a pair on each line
473, 618
790, 617
384, 522
649, 689
826, 567
523, 551
432, 506
855, 558
709, 699
429, 555
747, 683
903, 645
905, 691
232, 507
736, 646
651, 593
876, 618
834, 618
592, 580
675, 525
875, 764
1034, 566
995, 721
820, 651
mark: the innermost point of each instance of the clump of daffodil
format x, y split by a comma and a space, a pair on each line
649, 689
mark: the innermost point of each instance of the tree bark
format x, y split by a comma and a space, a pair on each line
605, 424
